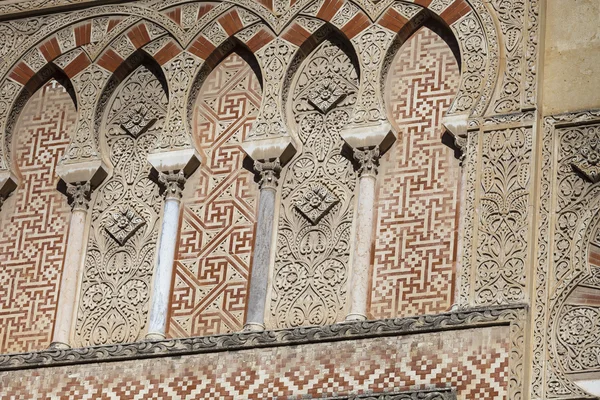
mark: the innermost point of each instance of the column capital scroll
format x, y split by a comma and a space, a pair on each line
79, 195
367, 159
267, 173
172, 183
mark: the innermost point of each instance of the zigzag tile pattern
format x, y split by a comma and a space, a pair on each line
475, 362
214, 251
34, 224
418, 186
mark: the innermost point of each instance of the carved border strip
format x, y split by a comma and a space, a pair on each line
514, 316
541, 373
434, 394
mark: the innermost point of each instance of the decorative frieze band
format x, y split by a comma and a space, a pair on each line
474, 318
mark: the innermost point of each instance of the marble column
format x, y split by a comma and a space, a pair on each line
173, 184
268, 174
78, 195
367, 159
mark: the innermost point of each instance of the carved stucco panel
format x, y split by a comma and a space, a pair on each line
180, 74
568, 202
123, 235
504, 218
317, 193
88, 86
274, 60
372, 46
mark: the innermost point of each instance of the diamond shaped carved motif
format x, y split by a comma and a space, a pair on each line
138, 121
123, 224
315, 202
325, 94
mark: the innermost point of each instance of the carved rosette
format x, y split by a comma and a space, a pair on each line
78, 196
267, 173
172, 184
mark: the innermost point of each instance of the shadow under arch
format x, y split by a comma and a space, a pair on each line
48, 72
135, 60
229, 46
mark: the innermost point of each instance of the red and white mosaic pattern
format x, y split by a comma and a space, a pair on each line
418, 186
34, 223
215, 244
474, 361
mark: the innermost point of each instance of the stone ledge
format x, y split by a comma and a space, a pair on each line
462, 319
433, 394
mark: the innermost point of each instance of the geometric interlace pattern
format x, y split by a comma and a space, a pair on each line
418, 186
34, 223
476, 365
216, 238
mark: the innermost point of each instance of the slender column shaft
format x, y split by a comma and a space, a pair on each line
363, 240
66, 308
163, 274
259, 279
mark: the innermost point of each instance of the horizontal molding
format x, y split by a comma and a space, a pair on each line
463, 319
434, 394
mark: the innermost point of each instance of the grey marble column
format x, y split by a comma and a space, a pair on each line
268, 172
367, 159
173, 184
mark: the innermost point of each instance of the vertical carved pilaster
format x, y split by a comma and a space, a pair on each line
268, 176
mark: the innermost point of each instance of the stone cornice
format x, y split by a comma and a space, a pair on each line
435, 394
464, 319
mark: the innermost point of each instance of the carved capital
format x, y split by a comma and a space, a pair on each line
8, 183
367, 159
78, 195
172, 184
267, 173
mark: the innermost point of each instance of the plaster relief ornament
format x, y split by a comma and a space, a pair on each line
587, 161
123, 224
315, 202
138, 120
325, 94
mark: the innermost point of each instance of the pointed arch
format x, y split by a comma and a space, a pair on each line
418, 185
34, 219
212, 261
